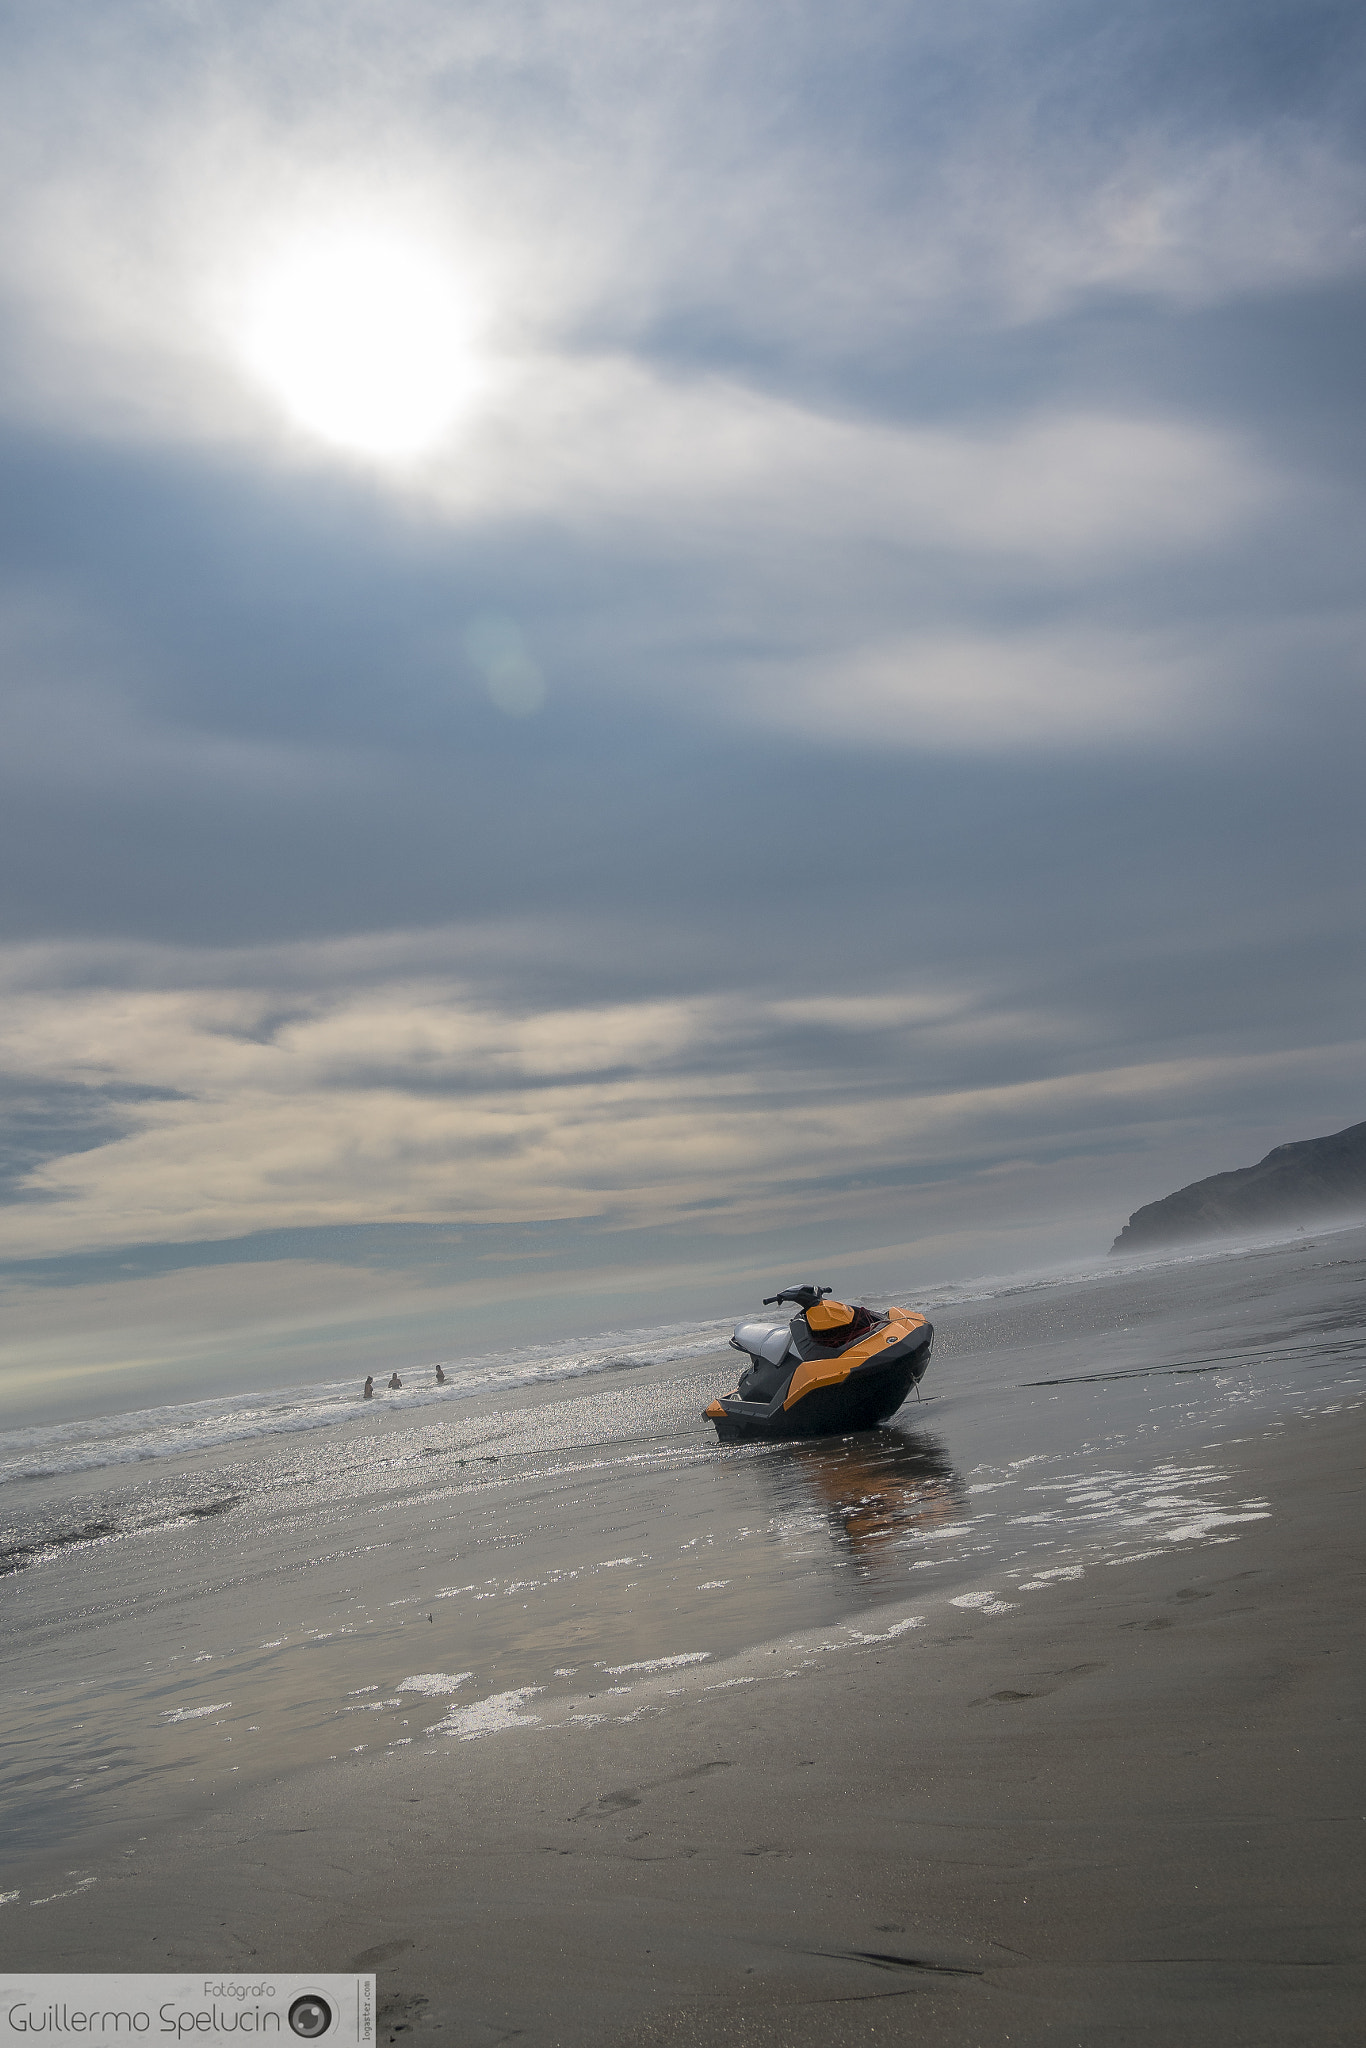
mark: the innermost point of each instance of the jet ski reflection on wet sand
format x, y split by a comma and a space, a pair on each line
831, 1369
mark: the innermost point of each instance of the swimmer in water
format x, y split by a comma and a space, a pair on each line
440, 1377
395, 1381
369, 1391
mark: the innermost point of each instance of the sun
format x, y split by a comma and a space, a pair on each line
364, 340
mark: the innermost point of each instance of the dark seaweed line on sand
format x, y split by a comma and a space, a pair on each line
881, 1959
1335, 1349
19, 1556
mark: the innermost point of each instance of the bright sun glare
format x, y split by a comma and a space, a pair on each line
365, 341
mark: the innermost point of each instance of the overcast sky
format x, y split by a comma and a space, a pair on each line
665, 644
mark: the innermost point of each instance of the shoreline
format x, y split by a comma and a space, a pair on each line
236, 1461
1095, 1274
1133, 1802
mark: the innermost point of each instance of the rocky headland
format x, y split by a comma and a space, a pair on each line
1300, 1183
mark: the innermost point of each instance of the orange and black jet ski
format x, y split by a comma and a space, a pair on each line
832, 1368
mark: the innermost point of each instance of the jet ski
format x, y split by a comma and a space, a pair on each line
831, 1369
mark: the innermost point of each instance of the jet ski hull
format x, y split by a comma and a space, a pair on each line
829, 1395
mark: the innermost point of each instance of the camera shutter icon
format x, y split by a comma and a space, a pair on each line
310, 2016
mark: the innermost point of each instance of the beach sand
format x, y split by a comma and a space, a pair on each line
1127, 1804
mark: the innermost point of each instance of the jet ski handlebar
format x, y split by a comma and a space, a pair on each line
805, 1297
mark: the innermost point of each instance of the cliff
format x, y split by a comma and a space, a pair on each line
1301, 1183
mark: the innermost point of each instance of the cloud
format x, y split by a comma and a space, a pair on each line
717, 463
43, 1119
79, 696
770, 562
1189, 218
420, 1100
705, 464
603, 180
1063, 687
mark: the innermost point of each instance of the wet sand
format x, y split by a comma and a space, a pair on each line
1121, 1797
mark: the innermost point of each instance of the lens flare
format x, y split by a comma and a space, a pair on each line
365, 342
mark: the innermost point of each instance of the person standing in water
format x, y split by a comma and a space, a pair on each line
395, 1381
440, 1377
369, 1391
